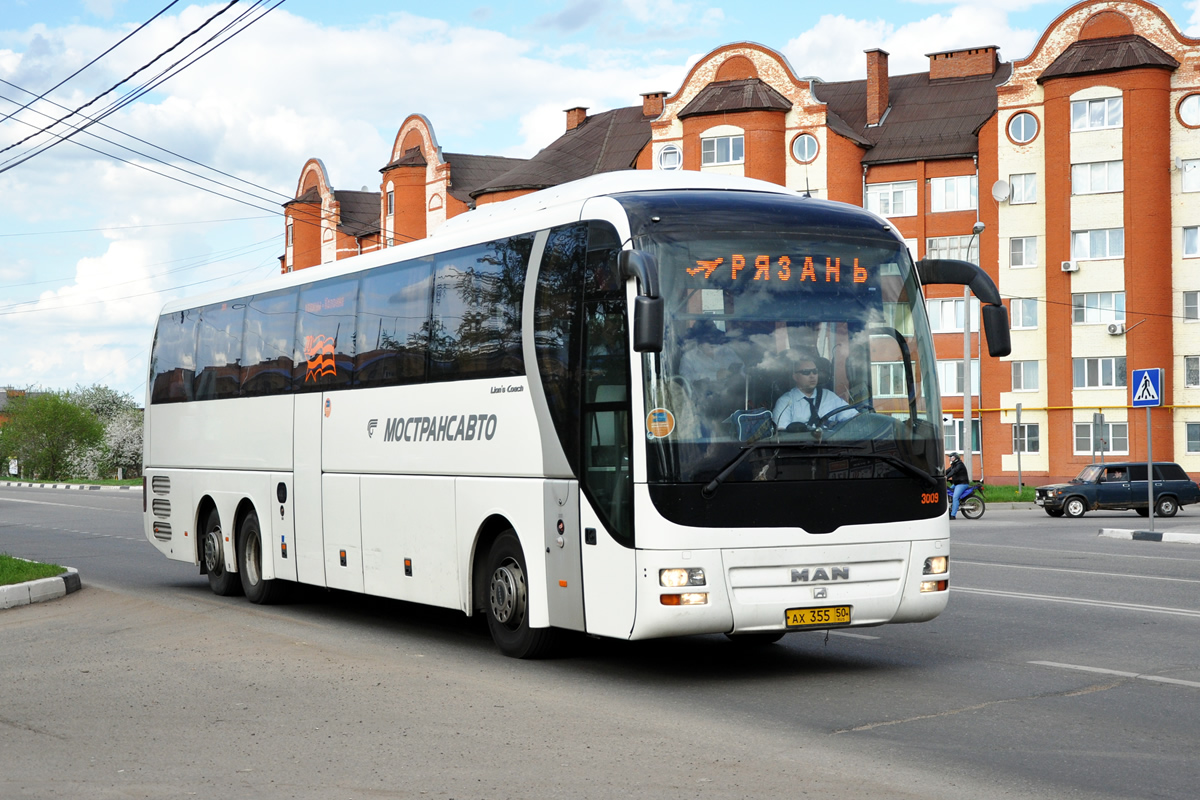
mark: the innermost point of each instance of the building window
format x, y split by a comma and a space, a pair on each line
1191, 173
946, 316
950, 377
1191, 242
1190, 311
1090, 115
1098, 177
671, 157
888, 377
1023, 312
963, 248
1189, 111
804, 148
892, 199
391, 203
1022, 252
1024, 376
898, 316
1102, 243
1191, 371
1025, 438
1023, 127
1111, 437
952, 435
722, 150
1193, 434
1023, 188
954, 194
291, 234
1098, 373
1098, 307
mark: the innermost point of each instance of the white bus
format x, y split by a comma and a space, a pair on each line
557, 411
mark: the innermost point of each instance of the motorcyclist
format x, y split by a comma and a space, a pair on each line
958, 478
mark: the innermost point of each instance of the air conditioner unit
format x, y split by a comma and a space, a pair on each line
1116, 328
1070, 266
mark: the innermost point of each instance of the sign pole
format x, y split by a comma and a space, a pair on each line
1147, 391
1150, 468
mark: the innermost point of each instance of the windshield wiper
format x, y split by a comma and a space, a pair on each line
821, 451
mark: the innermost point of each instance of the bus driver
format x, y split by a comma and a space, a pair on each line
807, 402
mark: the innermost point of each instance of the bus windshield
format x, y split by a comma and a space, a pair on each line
793, 351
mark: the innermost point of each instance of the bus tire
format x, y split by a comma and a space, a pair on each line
250, 556
507, 602
220, 580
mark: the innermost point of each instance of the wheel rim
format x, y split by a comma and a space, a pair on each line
253, 558
507, 594
1074, 507
1165, 508
970, 506
213, 561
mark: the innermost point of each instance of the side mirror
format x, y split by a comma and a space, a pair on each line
964, 273
648, 305
995, 325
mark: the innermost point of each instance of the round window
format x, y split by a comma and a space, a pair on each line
1189, 111
1023, 127
670, 157
804, 148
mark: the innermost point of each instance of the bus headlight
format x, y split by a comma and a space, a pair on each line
685, 599
674, 578
937, 565
934, 586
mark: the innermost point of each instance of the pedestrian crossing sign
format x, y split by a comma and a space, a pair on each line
1147, 387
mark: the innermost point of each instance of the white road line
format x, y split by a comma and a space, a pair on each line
957, 543
67, 505
1154, 678
852, 635
1079, 601
1077, 571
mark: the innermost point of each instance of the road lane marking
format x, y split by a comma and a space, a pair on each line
67, 505
1135, 675
852, 635
1078, 571
1123, 556
1079, 601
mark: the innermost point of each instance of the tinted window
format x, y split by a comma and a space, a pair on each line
325, 334
1170, 472
476, 327
1137, 472
267, 343
173, 363
393, 324
557, 331
218, 351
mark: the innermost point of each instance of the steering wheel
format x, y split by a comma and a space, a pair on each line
864, 405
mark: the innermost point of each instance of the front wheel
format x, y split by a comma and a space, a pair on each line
250, 557
972, 507
1074, 507
220, 580
1054, 512
1166, 507
508, 603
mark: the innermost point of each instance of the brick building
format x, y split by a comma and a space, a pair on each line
1088, 228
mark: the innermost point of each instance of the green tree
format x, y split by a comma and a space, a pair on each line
45, 431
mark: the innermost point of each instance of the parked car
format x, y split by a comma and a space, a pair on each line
1120, 486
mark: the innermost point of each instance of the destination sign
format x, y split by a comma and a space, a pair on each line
815, 269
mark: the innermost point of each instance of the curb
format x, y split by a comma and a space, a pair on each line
23, 594
1151, 536
83, 486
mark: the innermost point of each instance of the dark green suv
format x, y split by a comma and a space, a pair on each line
1120, 486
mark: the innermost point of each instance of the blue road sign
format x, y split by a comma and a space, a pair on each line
1147, 387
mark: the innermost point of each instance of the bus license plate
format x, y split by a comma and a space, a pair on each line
809, 617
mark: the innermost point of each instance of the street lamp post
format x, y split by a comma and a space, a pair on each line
968, 449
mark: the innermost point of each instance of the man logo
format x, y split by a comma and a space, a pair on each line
371, 428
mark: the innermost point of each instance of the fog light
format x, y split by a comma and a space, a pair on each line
681, 577
934, 586
687, 599
937, 565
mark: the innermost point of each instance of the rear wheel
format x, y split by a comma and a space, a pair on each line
508, 603
220, 580
972, 507
1054, 512
250, 556
1074, 507
1142, 512
1166, 507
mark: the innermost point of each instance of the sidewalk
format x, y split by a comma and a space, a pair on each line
23, 594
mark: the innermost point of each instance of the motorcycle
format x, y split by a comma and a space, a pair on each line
971, 505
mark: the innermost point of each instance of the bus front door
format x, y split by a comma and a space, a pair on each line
564, 570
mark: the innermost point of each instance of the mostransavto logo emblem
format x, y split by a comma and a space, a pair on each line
371, 426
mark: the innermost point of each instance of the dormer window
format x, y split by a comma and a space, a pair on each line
722, 150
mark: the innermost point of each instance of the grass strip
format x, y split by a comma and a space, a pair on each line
18, 570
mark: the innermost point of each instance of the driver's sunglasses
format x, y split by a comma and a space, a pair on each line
805, 371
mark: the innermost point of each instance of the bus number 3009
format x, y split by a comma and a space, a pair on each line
929, 497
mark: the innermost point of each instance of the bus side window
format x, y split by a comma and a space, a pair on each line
393, 324
267, 343
173, 363
218, 350
325, 332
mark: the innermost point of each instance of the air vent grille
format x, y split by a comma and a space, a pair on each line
162, 531
161, 484
162, 508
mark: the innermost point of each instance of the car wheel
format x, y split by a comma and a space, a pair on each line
1074, 507
1054, 512
507, 604
1166, 507
220, 580
1142, 512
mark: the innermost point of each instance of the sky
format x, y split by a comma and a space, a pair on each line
178, 189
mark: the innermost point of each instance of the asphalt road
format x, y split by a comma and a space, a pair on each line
1067, 666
